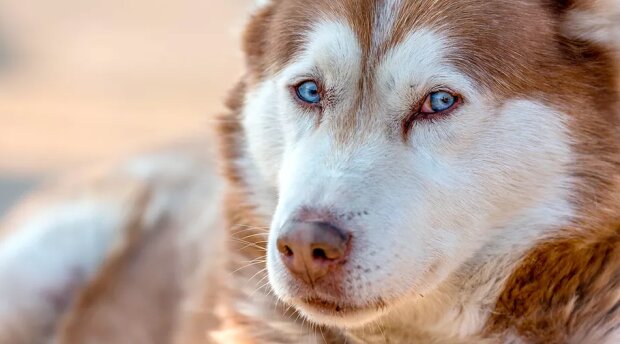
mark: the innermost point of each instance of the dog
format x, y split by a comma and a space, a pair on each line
391, 171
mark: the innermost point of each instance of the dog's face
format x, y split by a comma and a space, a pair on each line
420, 131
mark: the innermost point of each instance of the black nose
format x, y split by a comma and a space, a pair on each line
310, 250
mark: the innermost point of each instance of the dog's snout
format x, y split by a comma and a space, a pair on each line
310, 250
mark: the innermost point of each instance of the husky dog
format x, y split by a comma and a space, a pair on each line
393, 171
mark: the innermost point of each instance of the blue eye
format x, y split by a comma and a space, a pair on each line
440, 101
308, 92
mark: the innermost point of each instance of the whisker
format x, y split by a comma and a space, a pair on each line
303, 323
250, 244
248, 265
257, 259
250, 227
322, 334
259, 272
259, 288
253, 235
264, 277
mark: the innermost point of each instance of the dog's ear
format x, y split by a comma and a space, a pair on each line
596, 21
255, 40
589, 33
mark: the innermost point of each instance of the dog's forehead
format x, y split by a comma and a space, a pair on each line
490, 36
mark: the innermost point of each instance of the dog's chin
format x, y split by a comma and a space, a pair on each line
339, 314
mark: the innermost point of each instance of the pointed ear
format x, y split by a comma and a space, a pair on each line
255, 40
596, 21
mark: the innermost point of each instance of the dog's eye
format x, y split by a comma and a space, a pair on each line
438, 102
308, 92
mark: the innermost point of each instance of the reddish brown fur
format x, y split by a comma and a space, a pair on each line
563, 289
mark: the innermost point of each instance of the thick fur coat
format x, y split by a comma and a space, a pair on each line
497, 221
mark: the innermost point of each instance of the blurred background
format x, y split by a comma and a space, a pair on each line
87, 81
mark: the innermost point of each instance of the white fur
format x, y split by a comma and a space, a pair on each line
461, 190
334, 52
385, 18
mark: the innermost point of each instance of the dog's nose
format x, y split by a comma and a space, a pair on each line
311, 249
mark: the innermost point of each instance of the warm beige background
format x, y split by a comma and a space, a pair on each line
90, 80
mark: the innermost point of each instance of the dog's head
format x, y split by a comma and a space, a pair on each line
392, 141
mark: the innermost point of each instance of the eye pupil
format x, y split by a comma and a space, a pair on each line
441, 101
308, 92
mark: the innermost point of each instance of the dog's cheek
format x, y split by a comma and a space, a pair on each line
263, 133
487, 167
